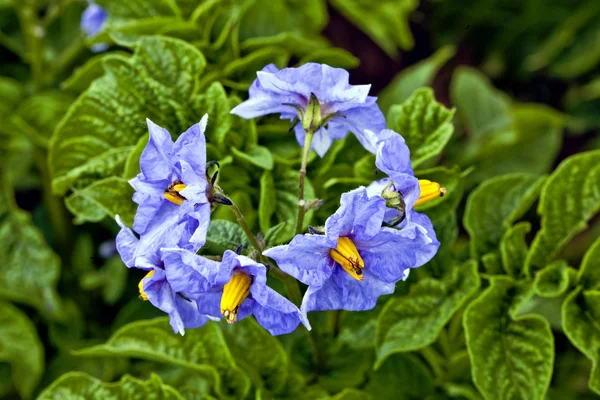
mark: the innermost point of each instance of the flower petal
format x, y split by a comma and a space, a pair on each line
342, 292
126, 243
155, 161
191, 146
306, 258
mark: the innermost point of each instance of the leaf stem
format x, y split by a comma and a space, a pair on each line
244, 225
301, 202
33, 31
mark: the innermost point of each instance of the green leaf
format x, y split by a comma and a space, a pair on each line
589, 272
414, 321
132, 163
552, 281
11, 94
483, 109
414, 77
120, 12
272, 235
21, 347
386, 22
569, 198
349, 394
258, 353
513, 249
256, 155
417, 382
345, 369
30, 269
425, 124
334, 56
104, 198
203, 350
224, 235
77, 385
215, 103
581, 324
268, 201
534, 126
510, 357
495, 205
93, 69
160, 82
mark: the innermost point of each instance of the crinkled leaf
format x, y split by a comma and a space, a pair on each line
386, 22
495, 205
77, 385
11, 93
552, 281
414, 77
581, 324
510, 357
569, 198
214, 102
514, 248
106, 197
414, 321
589, 272
83, 76
259, 353
21, 347
203, 350
345, 369
350, 394
223, 235
425, 124
159, 82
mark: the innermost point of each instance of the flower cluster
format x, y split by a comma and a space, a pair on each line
368, 245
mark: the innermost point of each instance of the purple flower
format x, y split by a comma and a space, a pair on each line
234, 289
171, 191
356, 260
155, 286
93, 19
343, 107
393, 158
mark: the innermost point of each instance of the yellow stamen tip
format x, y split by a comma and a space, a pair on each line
348, 257
172, 192
234, 293
143, 295
429, 191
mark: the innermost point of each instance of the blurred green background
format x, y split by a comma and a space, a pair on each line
523, 80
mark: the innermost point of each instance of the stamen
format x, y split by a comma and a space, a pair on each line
172, 192
429, 191
143, 295
234, 293
347, 256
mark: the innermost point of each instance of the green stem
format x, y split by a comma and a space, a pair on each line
244, 225
301, 203
290, 283
33, 31
435, 361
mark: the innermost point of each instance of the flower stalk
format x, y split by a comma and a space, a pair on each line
301, 203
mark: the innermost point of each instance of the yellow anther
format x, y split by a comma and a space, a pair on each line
172, 192
234, 294
143, 295
429, 191
347, 256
